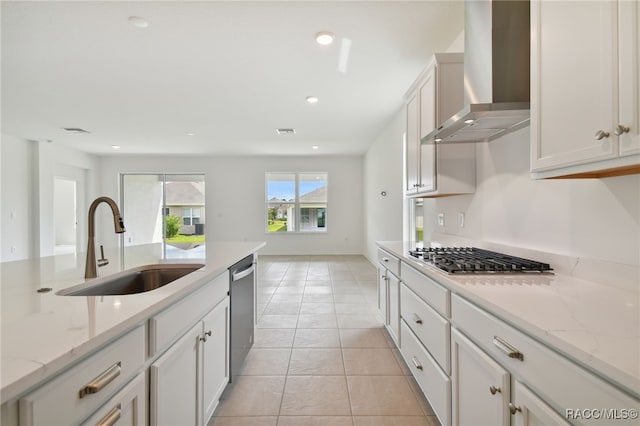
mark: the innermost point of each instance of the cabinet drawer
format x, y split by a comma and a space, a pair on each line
430, 291
62, 400
127, 407
562, 383
431, 328
171, 323
389, 261
434, 383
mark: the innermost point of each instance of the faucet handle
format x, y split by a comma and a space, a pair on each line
102, 261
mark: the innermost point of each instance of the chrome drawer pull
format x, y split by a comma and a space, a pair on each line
505, 347
101, 381
385, 259
494, 390
513, 409
112, 417
417, 319
417, 363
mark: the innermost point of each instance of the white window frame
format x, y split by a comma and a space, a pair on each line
296, 204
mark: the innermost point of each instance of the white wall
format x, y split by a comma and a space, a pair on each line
17, 198
235, 199
589, 218
28, 174
383, 172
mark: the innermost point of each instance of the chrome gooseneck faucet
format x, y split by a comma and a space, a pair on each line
90, 270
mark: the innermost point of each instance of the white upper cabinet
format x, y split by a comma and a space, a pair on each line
584, 97
437, 170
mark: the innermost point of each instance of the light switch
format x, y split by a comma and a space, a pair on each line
461, 220
441, 219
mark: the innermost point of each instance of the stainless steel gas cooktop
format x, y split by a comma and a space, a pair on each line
472, 260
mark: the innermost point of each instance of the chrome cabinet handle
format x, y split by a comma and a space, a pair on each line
385, 259
101, 381
620, 129
513, 409
112, 417
601, 134
507, 349
417, 363
494, 390
417, 319
204, 338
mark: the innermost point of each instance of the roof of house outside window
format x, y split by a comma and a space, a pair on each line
185, 193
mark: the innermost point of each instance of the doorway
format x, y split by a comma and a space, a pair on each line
65, 215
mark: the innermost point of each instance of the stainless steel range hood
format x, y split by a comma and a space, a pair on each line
496, 73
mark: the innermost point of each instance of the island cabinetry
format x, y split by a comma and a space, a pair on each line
426, 337
127, 408
585, 112
78, 392
187, 379
389, 292
545, 384
436, 170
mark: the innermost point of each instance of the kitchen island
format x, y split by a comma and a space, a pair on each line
43, 333
571, 342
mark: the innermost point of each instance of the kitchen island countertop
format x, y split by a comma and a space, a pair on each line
44, 332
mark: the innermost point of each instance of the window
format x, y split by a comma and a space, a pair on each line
296, 202
190, 216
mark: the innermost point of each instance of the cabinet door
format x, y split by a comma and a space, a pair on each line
174, 382
481, 387
412, 145
629, 41
382, 293
529, 410
215, 364
574, 67
427, 176
394, 307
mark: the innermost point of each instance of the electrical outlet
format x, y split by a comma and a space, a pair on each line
441, 219
461, 220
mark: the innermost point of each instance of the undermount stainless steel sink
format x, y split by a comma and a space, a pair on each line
132, 281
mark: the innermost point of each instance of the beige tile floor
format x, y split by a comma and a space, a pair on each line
321, 355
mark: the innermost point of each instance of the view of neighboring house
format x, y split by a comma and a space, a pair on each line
313, 211
186, 200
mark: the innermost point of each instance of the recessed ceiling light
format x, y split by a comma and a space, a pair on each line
437, 140
284, 131
312, 99
325, 38
115, 146
138, 22
469, 121
191, 134
315, 147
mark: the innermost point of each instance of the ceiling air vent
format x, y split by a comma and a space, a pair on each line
76, 130
286, 131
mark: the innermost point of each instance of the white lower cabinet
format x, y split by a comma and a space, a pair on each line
529, 410
481, 387
187, 380
127, 408
435, 384
215, 357
389, 293
80, 391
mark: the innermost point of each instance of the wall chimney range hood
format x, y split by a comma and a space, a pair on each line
496, 73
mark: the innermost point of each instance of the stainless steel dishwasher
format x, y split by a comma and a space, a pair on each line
241, 294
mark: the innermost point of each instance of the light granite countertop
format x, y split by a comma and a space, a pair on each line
44, 332
593, 323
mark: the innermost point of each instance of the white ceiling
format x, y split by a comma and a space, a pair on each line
230, 72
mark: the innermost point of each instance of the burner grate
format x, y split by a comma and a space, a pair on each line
468, 260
